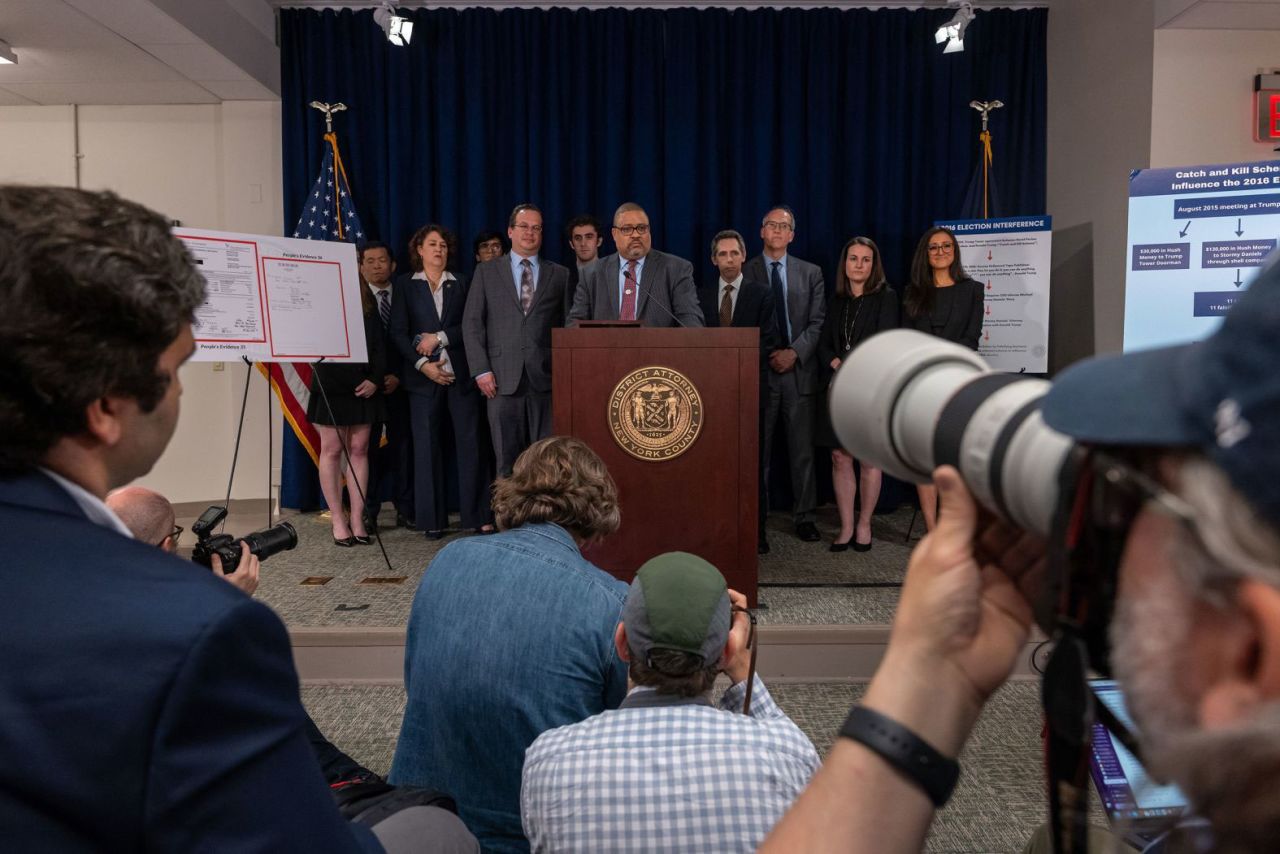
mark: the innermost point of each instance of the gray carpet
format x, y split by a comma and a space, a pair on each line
997, 805
344, 601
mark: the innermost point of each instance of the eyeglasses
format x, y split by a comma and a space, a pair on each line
174, 535
775, 225
524, 226
941, 248
627, 230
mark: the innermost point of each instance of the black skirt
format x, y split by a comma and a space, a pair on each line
340, 382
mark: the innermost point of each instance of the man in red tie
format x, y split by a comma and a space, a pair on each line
638, 282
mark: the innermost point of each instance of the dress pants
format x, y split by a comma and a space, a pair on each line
462, 405
391, 465
516, 422
796, 411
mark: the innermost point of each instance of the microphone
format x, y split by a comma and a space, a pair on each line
669, 312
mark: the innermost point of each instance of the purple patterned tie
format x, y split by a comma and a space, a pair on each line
629, 291
526, 284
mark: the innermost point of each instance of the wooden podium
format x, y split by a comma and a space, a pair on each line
653, 389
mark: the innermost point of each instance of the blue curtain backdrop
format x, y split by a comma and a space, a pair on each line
706, 117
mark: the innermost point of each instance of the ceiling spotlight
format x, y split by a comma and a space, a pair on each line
7, 56
399, 30
952, 32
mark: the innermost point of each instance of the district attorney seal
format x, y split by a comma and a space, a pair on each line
655, 413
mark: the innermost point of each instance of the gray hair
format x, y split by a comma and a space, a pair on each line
1231, 544
791, 215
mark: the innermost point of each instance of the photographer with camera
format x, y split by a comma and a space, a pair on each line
148, 515
1167, 508
737, 764
142, 705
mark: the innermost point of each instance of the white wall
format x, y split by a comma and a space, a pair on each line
210, 166
1099, 129
1202, 98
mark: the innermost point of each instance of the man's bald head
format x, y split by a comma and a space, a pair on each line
145, 512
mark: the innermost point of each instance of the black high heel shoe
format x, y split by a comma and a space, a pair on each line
345, 542
366, 540
841, 547
860, 547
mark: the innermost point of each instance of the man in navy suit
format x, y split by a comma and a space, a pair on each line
144, 704
738, 301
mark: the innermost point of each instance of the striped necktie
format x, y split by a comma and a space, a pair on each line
384, 307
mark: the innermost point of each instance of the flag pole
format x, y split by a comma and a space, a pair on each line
986, 108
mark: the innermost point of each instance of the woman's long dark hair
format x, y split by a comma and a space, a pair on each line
877, 280
918, 298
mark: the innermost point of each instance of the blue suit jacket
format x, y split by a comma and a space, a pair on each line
413, 311
144, 704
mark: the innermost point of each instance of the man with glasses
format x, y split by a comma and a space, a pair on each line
609, 783
514, 303
638, 282
1181, 495
799, 299
150, 517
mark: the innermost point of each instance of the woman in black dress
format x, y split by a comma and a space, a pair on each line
943, 301
862, 305
343, 414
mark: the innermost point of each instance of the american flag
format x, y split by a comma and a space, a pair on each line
329, 214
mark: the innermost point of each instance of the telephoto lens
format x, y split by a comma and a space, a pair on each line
907, 402
278, 538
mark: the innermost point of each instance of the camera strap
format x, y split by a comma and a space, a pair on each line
1069, 713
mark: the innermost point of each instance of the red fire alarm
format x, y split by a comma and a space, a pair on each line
1266, 107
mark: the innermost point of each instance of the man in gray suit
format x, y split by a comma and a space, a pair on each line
800, 304
637, 282
514, 302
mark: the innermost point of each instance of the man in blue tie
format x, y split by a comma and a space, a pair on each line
799, 299
391, 463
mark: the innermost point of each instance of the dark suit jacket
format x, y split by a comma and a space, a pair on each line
413, 311
144, 704
395, 362
963, 323
878, 312
666, 282
500, 337
806, 306
753, 308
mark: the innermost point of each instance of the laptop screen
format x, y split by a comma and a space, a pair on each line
1127, 793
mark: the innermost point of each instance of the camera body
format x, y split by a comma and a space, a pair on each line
262, 544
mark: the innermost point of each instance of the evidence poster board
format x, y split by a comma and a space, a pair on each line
1197, 237
276, 299
1010, 258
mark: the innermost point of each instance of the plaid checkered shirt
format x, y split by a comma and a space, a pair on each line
666, 778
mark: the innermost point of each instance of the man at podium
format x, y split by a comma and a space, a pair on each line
637, 282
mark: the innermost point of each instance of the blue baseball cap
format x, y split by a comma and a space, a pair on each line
1220, 396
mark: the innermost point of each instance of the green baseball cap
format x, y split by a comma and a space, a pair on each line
678, 601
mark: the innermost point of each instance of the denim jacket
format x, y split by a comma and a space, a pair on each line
510, 635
